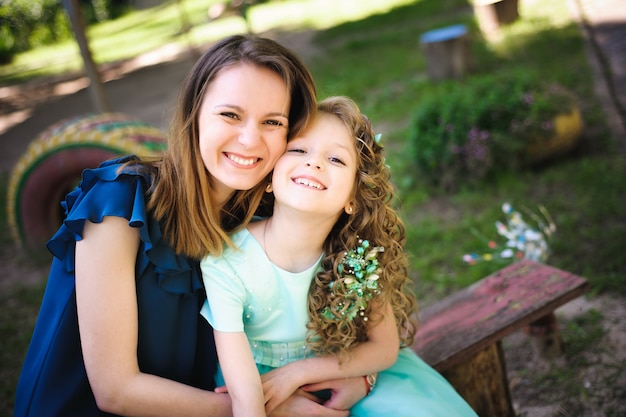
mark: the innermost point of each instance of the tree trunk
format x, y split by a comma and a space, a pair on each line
96, 90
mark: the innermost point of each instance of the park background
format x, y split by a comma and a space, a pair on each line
370, 50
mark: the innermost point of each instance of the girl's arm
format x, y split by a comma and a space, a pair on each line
107, 317
240, 374
379, 352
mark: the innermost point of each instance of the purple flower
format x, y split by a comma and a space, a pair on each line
528, 98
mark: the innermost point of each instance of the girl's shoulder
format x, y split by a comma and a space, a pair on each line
234, 254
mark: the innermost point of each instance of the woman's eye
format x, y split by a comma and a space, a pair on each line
230, 115
276, 123
296, 150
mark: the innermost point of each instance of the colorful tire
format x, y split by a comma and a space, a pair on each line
53, 163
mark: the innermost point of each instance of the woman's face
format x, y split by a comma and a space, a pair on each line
243, 125
317, 172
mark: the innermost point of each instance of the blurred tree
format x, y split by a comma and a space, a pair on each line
25, 24
28, 23
96, 89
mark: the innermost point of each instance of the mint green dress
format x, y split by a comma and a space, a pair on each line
247, 292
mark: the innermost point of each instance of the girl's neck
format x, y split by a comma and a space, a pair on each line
291, 245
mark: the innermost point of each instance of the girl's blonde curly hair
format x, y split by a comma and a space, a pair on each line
373, 218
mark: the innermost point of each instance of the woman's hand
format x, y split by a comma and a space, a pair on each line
304, 404
344, 392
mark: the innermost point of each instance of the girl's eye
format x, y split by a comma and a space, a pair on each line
296, 150
336, 160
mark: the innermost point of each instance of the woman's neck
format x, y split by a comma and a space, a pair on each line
219, 194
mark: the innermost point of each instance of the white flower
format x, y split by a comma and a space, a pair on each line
522, 239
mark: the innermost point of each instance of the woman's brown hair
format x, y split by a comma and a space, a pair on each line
180, 197
375, 220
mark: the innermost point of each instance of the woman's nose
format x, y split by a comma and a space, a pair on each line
249, 136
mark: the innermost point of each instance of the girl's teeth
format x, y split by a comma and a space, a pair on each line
308, 183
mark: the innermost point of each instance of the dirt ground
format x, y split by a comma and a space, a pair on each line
588, 383
146, 88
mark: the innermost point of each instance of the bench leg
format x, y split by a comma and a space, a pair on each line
545, 336
483, 383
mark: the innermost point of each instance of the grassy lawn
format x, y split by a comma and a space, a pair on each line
371, 52
377, 61
145, 30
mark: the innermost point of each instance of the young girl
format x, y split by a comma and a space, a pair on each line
332, 220
119, 330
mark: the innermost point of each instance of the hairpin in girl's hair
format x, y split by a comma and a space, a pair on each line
357, 284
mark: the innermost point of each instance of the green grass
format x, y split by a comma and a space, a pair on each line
145, 30
371, 52
378, 62
20, 306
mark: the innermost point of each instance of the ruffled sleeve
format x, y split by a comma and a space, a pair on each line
117, 190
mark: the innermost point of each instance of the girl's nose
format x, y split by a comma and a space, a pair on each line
314, 164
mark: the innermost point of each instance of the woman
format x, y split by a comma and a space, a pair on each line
119, 329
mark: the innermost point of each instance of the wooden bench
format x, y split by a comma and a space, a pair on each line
461, 335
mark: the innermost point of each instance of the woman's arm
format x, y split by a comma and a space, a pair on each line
240, 373
379, 352
107, 317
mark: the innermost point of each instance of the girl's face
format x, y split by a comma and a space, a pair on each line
317, 172
243, 125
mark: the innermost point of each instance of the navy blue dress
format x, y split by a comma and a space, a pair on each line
175, 342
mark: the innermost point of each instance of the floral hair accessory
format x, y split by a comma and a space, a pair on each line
377, 138
357, 284
522, 240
